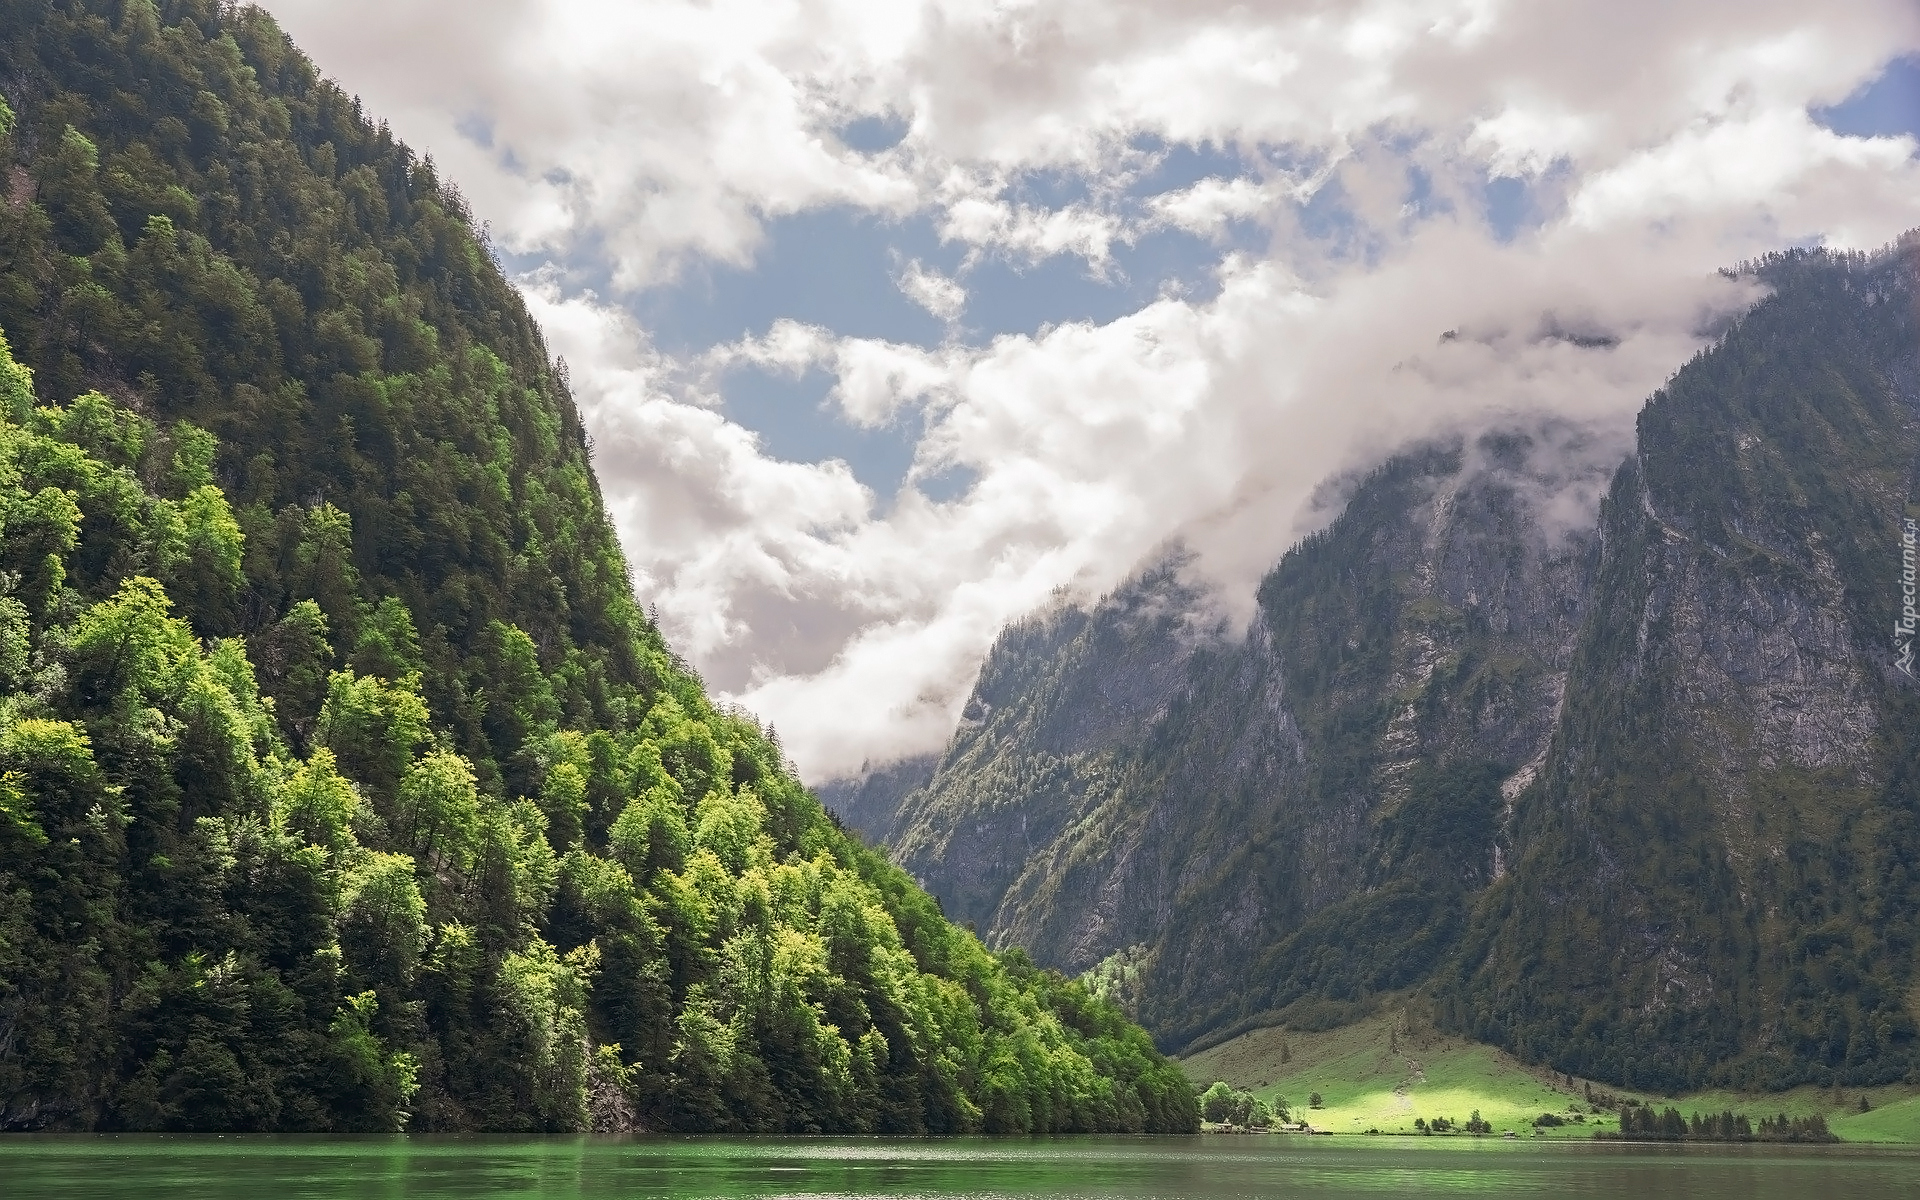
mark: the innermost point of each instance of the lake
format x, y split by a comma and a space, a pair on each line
292, 1168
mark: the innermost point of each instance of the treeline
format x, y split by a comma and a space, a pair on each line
1224, 1104
343, 783
1475, 1124
1641, 1123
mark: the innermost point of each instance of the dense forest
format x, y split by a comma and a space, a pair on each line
344, 785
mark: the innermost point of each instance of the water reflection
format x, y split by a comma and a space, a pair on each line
165, 1168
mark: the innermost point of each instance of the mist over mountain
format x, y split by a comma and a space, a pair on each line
1633, 795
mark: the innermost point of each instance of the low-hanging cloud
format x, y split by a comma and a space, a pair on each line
1368, 298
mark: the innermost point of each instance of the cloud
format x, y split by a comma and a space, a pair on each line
1774, 161
1211, 205
873, 378
634, 143
931, 290
667, 131
1032, 233
856, 628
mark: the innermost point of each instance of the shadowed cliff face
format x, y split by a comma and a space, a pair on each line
869, 803
1058, 703
1130, 774
1634, 796
1716, 865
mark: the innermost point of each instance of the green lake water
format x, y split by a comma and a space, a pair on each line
266, 1168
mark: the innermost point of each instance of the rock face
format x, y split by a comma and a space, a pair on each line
1062, 697
1633, 795
1715, 871
868, 803
1135, 774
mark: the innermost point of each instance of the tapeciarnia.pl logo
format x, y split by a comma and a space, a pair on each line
1903, 628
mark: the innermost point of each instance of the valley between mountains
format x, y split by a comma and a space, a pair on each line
1602, 755
346, 785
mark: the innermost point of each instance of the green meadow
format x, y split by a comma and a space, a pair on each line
1380, 1074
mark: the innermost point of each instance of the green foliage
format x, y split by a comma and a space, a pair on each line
373, 728
1119, 977
356, 1063
651, 835
1641, 1123
1224, 1104
315, 803
343, 784
382, 921
293, 656
389, 646
438, 813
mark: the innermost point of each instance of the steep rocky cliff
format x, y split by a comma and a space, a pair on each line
1136, 774
1631, 794
1715, 871
1057, 705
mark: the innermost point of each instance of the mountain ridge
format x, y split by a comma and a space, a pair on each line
1360, 797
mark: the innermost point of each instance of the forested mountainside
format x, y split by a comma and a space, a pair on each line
1637, 801
1730, 811
343, 783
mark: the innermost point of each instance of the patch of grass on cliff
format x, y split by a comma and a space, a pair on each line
1383, 1072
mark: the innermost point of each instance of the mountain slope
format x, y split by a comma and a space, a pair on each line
1060, 694
1633, 800
1730, 804
343, 784
1266, 789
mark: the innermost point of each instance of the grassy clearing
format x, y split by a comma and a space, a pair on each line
1895, 1119
1383, 1072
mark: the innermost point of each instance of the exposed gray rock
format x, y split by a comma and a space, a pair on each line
1636, 792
